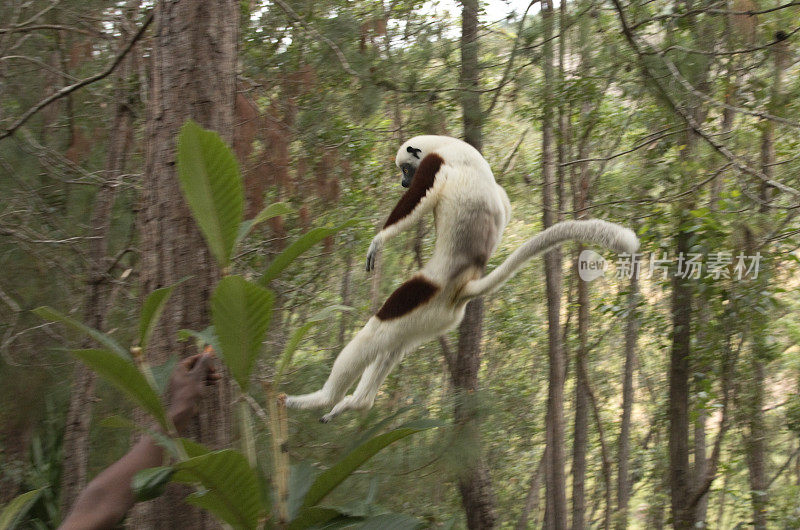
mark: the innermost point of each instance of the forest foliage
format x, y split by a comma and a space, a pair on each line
681, 388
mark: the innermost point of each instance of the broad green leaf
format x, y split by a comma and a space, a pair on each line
209, 177
273, 210
369, 433
202, 338
314, 517
301, 477
126, 378
117, 422
334, 475
49, 313
390, 521
305, 242
240, 311
297, 336
151, 312
150, 483
12, 512
232, 492
193, 448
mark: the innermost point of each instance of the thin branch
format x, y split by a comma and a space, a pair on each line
80, 84
691, 89
783, 468
690, 121
333, 46
636, 147
58, 27
41, 64
714, 11
712, 53
513, 152
511, 58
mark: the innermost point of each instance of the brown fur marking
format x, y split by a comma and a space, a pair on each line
422, 182
407, 297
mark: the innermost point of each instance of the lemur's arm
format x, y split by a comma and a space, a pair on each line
419, 200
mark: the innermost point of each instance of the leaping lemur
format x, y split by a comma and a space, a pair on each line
470, 210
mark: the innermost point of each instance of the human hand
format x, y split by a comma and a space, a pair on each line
186, 386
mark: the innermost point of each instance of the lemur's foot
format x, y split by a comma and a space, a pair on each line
314, 400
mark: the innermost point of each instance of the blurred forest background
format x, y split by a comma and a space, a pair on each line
668, 400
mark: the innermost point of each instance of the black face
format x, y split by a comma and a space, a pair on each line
408, 174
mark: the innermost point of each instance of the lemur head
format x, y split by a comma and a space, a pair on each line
416, 149
408, 160
413, 151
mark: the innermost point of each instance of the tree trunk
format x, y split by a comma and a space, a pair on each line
756, 445
194, 66
679, 392
79, 412
580, 435
624, 443
532, 500
474, 483
700, 470
554, 470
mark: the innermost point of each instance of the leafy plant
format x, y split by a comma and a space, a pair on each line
228, 485
17, 508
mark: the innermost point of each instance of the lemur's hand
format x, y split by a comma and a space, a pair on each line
372, 253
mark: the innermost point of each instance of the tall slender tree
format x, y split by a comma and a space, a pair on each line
556, 508
474, 482
193, 77
79, 412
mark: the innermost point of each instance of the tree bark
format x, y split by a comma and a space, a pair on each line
624, 443
554, 470
756, 444
679, 392
474, 483
79, 412
532, 499
194, 67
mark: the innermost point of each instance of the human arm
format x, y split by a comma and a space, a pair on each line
109, 496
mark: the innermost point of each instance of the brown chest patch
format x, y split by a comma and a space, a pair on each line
423, 180
407, 297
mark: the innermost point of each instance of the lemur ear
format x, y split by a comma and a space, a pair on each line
413, 151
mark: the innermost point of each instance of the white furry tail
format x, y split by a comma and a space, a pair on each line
603, 233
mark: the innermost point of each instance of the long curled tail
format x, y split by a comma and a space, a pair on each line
603, 233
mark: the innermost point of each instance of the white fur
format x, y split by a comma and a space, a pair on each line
470, 212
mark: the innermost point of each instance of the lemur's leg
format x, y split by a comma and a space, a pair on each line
367, 389
349, 364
